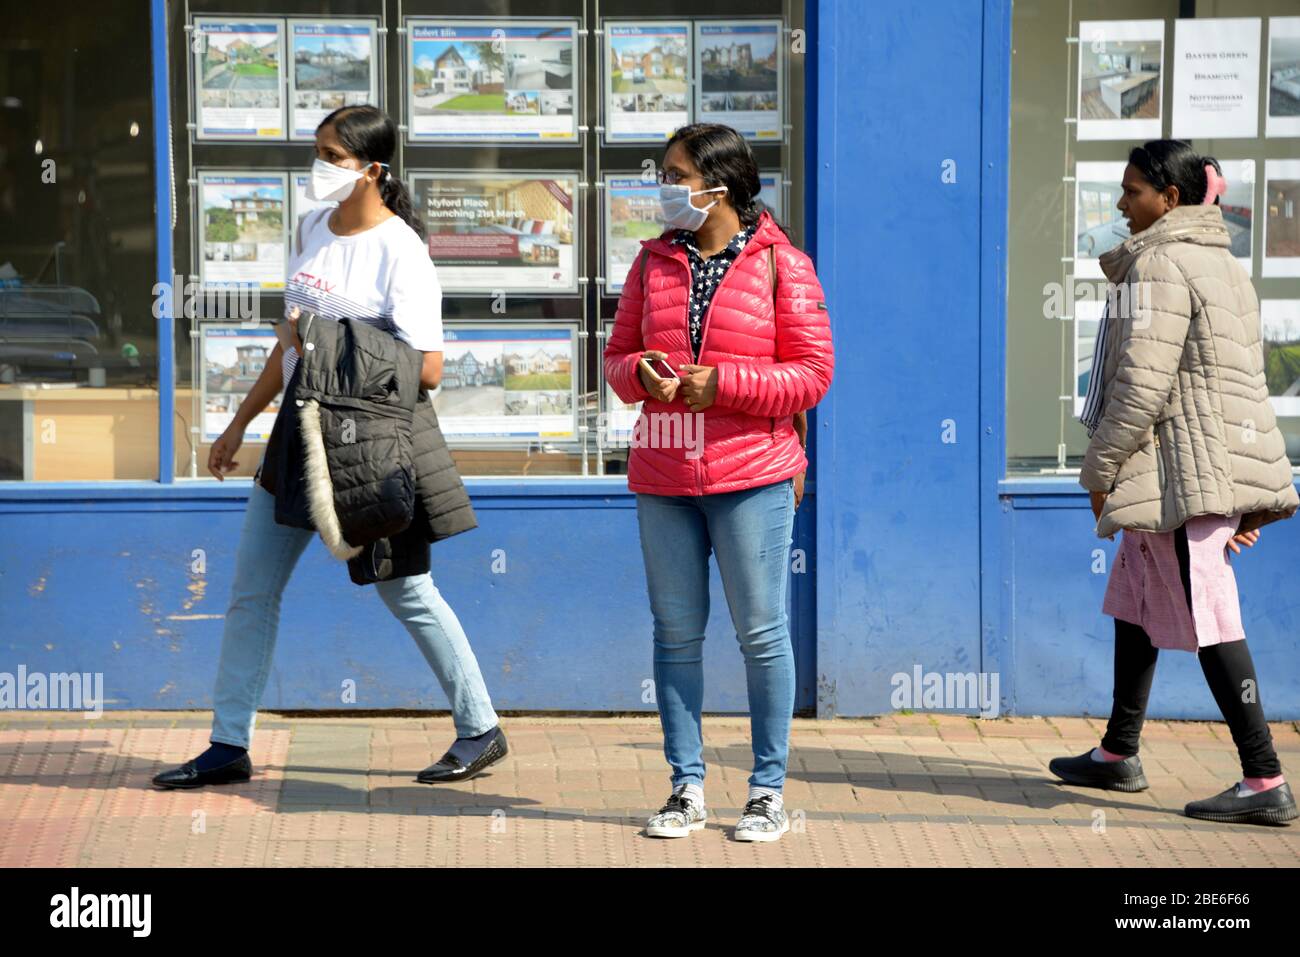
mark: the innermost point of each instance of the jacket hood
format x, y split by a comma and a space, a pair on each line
1202, 225
767, 234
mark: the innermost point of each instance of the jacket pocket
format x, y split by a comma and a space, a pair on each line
1161, 449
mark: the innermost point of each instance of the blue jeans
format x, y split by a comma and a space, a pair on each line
749, 532
267, 555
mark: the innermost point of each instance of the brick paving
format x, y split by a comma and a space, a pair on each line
894, 791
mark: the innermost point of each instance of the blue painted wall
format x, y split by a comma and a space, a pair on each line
550, 589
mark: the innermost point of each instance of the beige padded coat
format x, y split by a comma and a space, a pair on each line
1186, 426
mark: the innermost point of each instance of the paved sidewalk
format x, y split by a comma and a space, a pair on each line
894, 791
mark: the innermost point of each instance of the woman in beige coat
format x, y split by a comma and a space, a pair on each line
1186, 459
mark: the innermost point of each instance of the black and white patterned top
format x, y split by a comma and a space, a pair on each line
706, 274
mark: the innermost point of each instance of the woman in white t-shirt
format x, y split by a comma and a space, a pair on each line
363, 259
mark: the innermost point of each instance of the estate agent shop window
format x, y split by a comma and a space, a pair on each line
530, 137
1090, 79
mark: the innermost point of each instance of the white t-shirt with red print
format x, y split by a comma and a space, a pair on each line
382, 276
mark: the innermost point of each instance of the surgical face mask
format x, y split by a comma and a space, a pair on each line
330, 183
678, 209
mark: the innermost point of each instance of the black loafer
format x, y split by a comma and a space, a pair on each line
1274, 806
1123, 775
188, 776
450, 768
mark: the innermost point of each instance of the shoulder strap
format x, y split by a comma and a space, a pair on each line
645, 285
771, 269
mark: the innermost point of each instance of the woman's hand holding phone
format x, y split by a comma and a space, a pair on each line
660, 386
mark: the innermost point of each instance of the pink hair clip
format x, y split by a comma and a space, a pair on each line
1215, 185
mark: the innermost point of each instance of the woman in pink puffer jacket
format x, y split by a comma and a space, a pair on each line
724, 356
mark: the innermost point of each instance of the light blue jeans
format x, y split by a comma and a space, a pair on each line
749, 532
267, 555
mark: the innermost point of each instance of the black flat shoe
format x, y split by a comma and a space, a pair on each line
449, 767
188, 776
1123, 775
1274, 806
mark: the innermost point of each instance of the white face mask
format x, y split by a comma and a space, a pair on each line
330, 183
678, 209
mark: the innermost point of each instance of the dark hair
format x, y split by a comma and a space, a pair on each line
368, 133
724, 158
1165, 163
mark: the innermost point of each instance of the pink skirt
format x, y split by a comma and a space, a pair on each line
1146, 585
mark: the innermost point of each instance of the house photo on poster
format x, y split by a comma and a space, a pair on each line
241, 228
492, 80
1216, 78
1281, 218
1279, 321
739, 66
646, 80
332, 64
1282, 115
232, 358
508, 383
1098, 224
1120, 74
237, 78
507, 232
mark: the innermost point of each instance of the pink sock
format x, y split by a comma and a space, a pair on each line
1262, 784
1107, 756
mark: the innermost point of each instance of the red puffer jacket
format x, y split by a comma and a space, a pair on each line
773, 359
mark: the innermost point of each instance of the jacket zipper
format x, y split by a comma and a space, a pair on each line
704, 331
1160, 466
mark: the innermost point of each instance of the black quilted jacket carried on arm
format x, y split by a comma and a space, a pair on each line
356, 453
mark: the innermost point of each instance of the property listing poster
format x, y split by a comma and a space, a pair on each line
300, 205
632, 213
237, 78
1282, 115
242, 228
1098, 225
1087, 323
646, 80
1238, 206
739, 65
620, 416
509, 232
1281, 218
771, 193
1279, 321
492, 80
508, 383
233, 358
332, 64
1121, 64
1216, 78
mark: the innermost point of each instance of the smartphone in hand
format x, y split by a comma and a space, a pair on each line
659, 368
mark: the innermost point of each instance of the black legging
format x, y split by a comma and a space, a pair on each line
1227, 668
